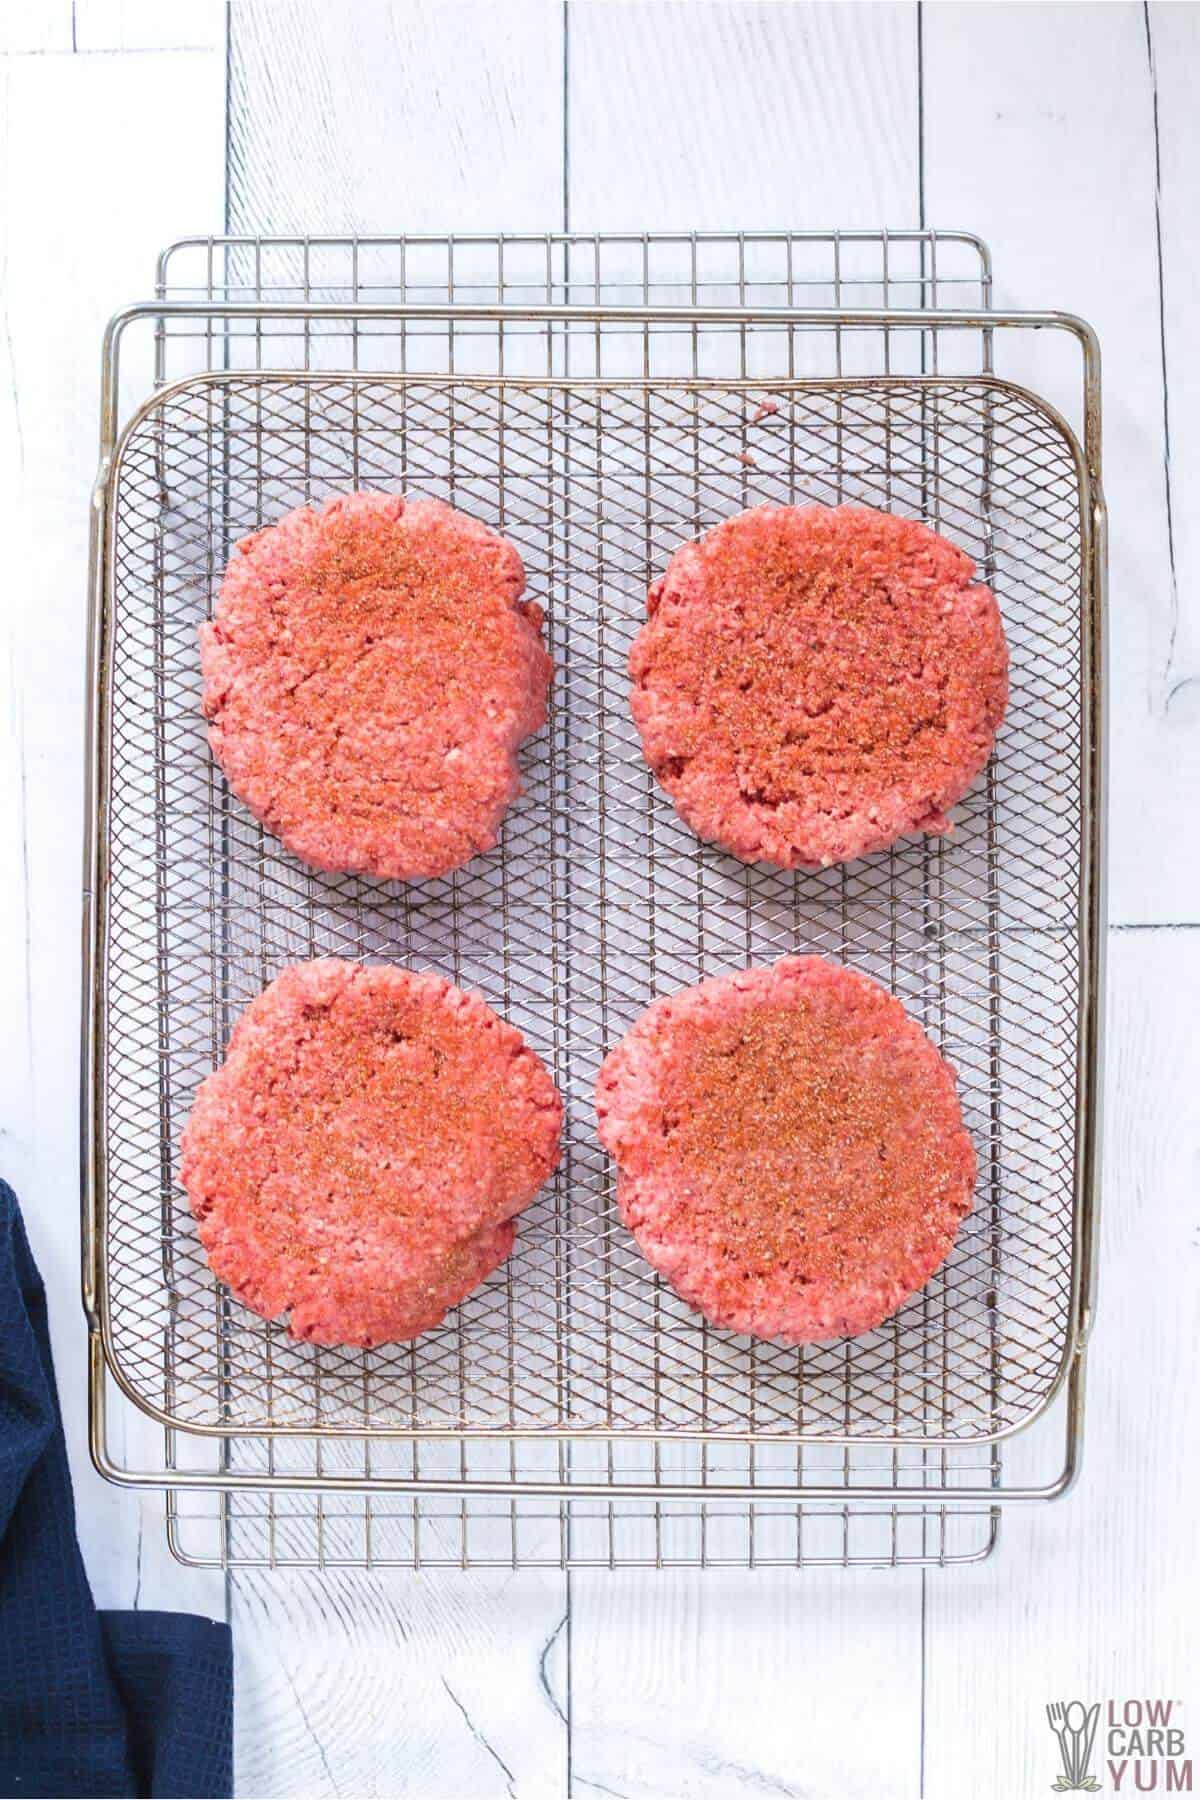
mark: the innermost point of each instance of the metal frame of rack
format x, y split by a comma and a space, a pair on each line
599, 399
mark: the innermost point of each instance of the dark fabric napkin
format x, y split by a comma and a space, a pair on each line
91, 1703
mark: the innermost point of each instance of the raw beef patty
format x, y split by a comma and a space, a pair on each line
359, 1158
814, 683
369, 673
791, 1151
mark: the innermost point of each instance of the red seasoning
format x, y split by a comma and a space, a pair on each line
369, 674
360, 1156
791, 1149
814, 683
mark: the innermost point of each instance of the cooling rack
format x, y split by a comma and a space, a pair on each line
600, 401
641, 1529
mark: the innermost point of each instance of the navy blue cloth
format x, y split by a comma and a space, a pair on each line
91, 1703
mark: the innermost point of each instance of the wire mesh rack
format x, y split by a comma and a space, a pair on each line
696, 1528
600, 401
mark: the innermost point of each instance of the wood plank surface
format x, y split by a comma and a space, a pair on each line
1173, 58
78, 237
1092, 1597
1068, 136
1040, 132
724, 117
439, 118
720, 117
1047, 132
436, 115
435, 1684
719, 1683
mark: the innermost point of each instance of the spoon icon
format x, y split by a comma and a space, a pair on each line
1080, 1721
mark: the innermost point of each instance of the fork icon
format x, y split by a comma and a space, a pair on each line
1075, 1728
1056, 1712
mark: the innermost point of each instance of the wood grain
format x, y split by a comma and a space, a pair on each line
730, 116
1089, 1597
396, 1684
1048, 134
441, 118
1173, 55
1040, 132
427, 116
686, 1683
1040, 135
720, 1683
75, 242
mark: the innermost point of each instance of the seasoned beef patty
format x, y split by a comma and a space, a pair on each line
358, 1159
814, 683
369, 674
791, 1150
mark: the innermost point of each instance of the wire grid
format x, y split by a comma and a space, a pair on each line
431, 1530
153, 1268
597, 897
907, 268
268, 1534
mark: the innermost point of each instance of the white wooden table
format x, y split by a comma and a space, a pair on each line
1068, 137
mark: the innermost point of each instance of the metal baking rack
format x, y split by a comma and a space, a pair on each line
599, 400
